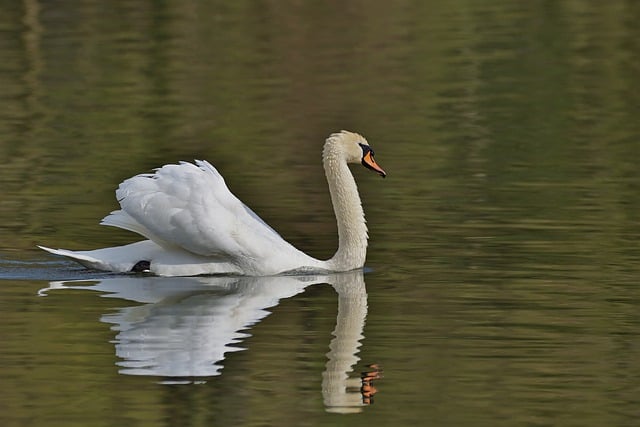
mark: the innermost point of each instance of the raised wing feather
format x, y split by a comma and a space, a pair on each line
190, 206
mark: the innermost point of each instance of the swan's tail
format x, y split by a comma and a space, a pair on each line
119, 259
162, 261
80, 257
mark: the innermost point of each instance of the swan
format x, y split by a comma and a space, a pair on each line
194, 225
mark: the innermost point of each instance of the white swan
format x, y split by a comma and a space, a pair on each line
195, 225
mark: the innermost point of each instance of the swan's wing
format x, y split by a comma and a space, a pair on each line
189, 206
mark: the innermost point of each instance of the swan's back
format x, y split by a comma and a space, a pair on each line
189, 206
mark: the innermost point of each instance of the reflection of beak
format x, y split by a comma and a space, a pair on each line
368, 390
370, 163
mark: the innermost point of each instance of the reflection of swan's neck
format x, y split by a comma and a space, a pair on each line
341, 393
352, 230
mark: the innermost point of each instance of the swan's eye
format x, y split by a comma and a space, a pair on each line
366, 149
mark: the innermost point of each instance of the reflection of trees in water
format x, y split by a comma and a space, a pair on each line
501, 93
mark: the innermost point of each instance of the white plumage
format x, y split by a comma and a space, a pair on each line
195, 225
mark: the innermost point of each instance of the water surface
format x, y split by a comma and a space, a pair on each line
502, 276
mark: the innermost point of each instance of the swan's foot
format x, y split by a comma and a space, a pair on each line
141, 267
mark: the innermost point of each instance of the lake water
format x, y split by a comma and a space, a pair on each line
502, 285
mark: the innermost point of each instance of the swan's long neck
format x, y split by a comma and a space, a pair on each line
352, 229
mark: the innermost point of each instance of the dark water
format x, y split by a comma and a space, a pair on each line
502, 282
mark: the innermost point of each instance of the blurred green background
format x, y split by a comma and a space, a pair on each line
504, 242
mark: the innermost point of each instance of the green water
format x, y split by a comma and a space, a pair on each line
502, 281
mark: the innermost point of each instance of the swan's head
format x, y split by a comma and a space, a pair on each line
353, 148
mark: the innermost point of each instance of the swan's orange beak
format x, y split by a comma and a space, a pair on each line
369, 162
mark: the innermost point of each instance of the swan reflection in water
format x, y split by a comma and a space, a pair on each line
187, 325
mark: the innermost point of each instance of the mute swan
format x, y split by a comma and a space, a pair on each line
195, 225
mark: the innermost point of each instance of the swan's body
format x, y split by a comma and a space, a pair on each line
195, 225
